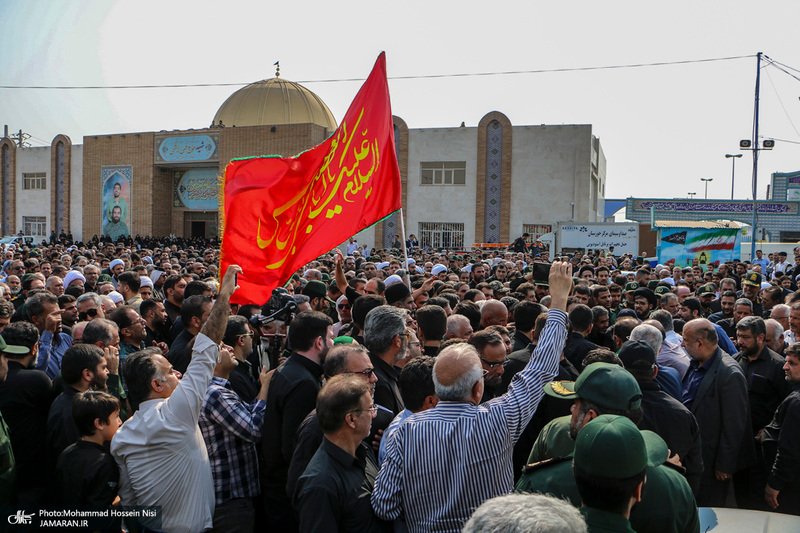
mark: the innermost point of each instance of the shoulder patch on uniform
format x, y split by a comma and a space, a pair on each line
532, 467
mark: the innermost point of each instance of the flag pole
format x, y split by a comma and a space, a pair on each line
405, 249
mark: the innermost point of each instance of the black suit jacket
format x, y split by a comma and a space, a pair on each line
722, 410
387, 392
673, 422
292, 395
25, 400
521, 341
576, 349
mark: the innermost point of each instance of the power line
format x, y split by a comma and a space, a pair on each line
784, 140
415, 77
769, 77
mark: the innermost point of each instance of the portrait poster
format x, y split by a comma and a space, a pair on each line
116, 191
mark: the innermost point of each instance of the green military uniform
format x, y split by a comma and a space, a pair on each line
599, 521
667, 502
8, 470
8, 473
553, 441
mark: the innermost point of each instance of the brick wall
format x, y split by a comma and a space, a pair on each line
135, 149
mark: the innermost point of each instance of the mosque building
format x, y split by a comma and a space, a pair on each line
461, 185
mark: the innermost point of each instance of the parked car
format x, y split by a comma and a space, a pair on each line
20, 240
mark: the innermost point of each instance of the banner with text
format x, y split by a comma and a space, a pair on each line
624, 238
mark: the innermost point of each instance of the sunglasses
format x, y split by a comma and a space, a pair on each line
83, 315
345, 306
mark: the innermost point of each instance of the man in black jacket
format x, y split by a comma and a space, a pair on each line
715, 391
781, 443
292, 395
387, 342
580, 319
766, 389
663, 414
25, 400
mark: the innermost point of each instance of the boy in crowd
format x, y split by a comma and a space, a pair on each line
86, 473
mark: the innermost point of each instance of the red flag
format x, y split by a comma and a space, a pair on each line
282, 212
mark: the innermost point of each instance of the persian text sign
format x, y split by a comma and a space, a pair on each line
781, 208
624, 238
197, 188
281, 212
186, 148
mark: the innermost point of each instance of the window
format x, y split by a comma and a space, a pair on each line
34, 180
34, 225
444, 173
536, 230
438, 235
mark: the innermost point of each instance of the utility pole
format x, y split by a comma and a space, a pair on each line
21, 139
755, 156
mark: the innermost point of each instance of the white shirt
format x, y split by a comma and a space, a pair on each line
780, 268
352, 247
161, 454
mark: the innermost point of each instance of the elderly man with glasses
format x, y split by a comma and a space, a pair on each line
333, 494
443, 463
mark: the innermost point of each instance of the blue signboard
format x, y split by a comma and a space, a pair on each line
187, 148
197, 189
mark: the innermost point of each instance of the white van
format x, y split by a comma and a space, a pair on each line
20, 240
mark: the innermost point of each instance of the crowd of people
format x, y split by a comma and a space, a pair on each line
474, 391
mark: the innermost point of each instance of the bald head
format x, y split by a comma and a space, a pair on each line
457, 374
458, 327
700, 339
494, 313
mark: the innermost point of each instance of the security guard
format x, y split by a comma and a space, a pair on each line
706, 295
751, 287
609, 467
7, 464
668, 504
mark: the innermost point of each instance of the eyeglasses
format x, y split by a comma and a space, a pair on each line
345, 306
373, 410
366, 373
493, 365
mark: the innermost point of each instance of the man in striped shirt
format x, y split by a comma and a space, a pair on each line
443, 463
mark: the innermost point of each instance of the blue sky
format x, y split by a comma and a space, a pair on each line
662, 128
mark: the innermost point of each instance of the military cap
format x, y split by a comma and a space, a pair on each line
316, 289
610, 446
662, 290
11, 348
707, 289
631, 286
604, 384
753, 279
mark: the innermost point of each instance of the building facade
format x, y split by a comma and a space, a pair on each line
463, 185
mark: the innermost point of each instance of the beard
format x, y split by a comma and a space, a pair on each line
99, 383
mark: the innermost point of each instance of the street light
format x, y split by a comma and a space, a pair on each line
733, 168
706, 180
691, 194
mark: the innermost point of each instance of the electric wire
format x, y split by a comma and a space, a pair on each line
410, 77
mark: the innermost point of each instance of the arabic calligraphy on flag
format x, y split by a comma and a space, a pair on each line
282, 212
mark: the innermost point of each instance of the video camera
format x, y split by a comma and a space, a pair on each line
281, 306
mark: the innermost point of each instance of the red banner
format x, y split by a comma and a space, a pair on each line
282, 212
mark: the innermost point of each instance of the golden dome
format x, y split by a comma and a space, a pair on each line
274, 101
